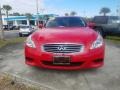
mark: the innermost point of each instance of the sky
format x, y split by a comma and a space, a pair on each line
87, 8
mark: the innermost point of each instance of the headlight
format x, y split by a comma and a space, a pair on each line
30, 42
98, 43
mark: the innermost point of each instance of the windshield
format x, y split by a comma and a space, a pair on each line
66, 22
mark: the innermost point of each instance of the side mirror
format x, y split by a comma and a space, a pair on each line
40, 26
91, 24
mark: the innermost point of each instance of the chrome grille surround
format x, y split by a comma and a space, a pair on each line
63, 48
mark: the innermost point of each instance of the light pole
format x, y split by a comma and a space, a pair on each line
42, 10
37, 7
84, 13
1, 25
37, 11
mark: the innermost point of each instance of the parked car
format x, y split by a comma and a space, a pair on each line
15, 27
6, 27
65, 43
10, 27
107, 25
25, 30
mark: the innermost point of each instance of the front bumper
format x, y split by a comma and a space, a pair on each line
25, 33
90, 59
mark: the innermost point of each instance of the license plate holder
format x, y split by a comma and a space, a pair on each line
25, 33
61, 60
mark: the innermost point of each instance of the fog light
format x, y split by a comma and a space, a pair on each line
98, 60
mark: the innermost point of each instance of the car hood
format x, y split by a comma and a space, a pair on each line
65, 35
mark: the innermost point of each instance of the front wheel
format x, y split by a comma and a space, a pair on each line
20, 35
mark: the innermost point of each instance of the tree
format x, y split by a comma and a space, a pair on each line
105, 10
7, 8
16, 14
22, 14
66, 14
46, 17
73, 13
29, 17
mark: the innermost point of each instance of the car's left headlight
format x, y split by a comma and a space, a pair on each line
30, 42
97, 43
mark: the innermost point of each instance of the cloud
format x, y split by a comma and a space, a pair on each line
29, 6
23, 6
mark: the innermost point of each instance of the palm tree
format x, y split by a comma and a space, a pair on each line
16, 14
105, 10
46, 17
66, 14
73, 13
29, 17
7, 8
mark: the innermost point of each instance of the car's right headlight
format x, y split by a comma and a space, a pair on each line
97, 43
30, 42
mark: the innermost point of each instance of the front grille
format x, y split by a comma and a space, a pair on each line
62, 48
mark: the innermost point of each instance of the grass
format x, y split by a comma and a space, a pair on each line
114, 39
11, 41
8, 82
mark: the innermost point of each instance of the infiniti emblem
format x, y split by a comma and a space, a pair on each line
61, 48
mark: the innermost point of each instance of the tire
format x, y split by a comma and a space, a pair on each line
20, 35
100, 31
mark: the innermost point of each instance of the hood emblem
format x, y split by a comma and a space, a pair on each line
61, 48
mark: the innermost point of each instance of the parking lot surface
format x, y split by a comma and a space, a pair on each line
105, 78
11, 34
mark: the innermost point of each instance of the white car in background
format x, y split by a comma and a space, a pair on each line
25, 30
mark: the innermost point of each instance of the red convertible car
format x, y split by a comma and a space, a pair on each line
65, 43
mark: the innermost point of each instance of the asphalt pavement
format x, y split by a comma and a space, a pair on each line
11, 34
105, 78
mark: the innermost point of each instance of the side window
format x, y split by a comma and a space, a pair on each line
113, 20
101, 20
110, 21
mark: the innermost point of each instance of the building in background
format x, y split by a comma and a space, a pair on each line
23, 20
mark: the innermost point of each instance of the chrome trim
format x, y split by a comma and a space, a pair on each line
67, 48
